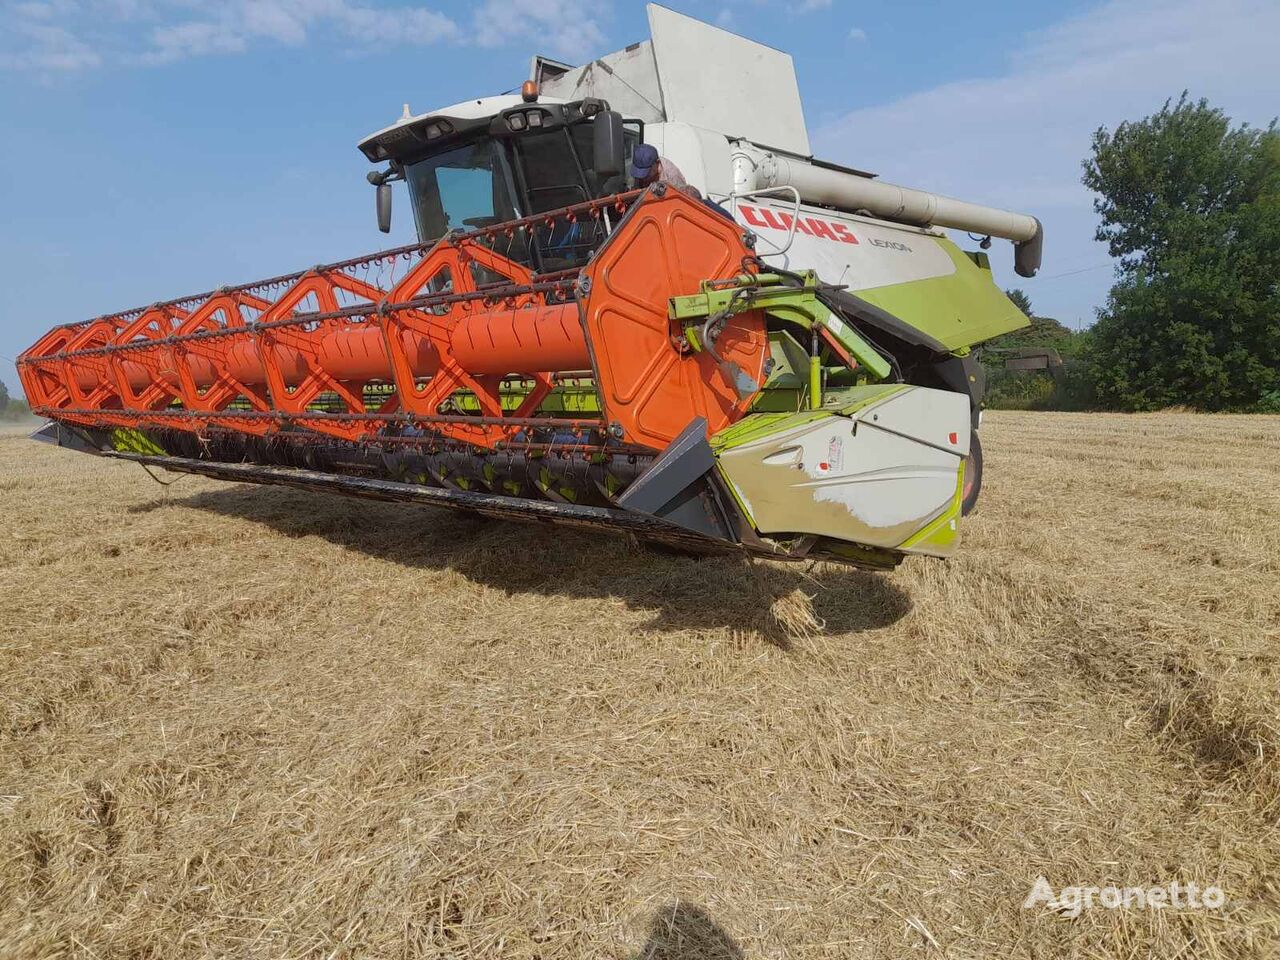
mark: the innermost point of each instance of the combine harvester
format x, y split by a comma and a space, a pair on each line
785, 374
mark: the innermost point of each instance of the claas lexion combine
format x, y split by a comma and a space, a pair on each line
774, 363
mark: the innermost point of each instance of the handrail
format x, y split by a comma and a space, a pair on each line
733, 199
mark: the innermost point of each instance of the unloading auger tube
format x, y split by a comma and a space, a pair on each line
853, 191
666, 385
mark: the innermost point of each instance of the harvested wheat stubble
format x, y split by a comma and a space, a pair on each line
249, 722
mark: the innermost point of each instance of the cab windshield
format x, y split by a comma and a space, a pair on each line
487, 181
464, 188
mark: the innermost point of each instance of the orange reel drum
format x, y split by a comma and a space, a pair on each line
526, 339
667, 247
360, 354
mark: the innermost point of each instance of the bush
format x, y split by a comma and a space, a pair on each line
15, 411
1015, 390
1191, 207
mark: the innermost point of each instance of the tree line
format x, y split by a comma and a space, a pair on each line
11, 408
1189, 207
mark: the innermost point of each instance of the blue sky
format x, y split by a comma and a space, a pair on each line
159, 147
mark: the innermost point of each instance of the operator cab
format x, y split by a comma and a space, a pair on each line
497, 159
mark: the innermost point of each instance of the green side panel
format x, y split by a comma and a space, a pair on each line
778, 400
940, 536
959, 310
871, 471
754, 427
758, 425
859, 398
126, 440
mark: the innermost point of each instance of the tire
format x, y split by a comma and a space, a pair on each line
972, 476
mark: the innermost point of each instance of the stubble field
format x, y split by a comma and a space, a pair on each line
237, 721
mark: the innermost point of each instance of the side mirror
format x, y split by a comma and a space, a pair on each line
610, 150
383, 200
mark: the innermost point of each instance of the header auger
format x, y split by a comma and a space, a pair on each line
781, 369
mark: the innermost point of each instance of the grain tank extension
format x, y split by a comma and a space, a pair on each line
775, 362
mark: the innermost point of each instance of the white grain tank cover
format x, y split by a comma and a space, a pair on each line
720, 81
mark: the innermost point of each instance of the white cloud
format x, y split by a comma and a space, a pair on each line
67, 35
411, 25
1017, 139
237, 24
724, 18
45, 47
566, 28
35, 11
183, 40
857, 33
808, 6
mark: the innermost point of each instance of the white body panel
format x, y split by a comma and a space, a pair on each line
720, 81
694, 74
877, 477
628, 79
703, 156
844, 249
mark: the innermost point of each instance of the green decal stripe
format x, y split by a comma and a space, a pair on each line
940, 533
758, 425
737, 497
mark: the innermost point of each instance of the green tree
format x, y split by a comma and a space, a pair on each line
1020, 300
4, 396
1190, 205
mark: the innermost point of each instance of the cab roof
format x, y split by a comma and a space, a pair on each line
466, 113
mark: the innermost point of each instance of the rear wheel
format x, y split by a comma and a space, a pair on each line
972, 476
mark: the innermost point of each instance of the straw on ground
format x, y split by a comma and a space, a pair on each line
248, 722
